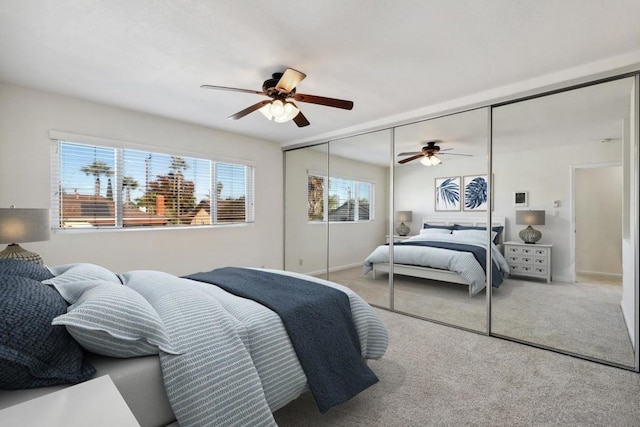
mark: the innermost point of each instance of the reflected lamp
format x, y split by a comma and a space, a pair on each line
529, 218
403, 216
23, 225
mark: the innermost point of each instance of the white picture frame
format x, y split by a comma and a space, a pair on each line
520, 199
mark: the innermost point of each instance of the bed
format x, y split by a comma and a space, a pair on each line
446, 249
185, 348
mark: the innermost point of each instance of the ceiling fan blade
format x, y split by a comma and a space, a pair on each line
408, 159
454, 154
254, 107
233, 89
321, 100
412, 153
290, 80
301, 120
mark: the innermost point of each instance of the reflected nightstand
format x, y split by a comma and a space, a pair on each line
529, 260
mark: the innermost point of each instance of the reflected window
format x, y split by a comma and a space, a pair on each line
339, 199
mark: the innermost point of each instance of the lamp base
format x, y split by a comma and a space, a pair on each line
15, 251
530, 235
402, 229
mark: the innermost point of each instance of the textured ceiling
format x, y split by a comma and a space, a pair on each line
390, 58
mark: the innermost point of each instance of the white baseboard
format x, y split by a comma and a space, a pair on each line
600, 273
334, 269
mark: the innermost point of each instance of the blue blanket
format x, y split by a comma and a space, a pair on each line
479, 253
319, 323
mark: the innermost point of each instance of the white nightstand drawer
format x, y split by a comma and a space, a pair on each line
529, 260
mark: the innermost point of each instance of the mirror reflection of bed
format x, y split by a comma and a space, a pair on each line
439, 272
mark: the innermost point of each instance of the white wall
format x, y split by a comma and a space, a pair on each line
544, 175
27, 116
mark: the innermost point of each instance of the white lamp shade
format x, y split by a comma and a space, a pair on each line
530, 217
24, 225
404, 216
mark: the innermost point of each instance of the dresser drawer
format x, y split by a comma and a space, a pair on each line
528, 260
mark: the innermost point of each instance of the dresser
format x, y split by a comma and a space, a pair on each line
529, 260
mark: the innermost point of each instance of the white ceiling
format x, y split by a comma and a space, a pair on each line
390, 58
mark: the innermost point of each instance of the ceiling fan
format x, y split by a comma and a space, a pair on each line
428, 153
281, 88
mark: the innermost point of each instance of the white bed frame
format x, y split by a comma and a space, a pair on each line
434, 273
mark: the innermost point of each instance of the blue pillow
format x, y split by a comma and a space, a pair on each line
33, 353
443, 227
497, 228
28, 269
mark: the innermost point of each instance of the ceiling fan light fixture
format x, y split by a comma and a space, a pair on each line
430, 161
279, 112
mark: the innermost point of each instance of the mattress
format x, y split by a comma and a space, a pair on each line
138, 379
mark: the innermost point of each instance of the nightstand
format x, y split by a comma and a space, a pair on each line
529, 260
95, 402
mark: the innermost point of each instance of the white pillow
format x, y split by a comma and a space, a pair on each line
474, 235
113, 320
71, 280
431, 231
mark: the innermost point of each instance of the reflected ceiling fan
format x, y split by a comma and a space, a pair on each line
281, 88
428, 153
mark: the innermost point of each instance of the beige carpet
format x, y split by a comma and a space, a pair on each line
434, 375
583, 317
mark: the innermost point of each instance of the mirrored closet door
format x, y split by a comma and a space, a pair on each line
565, 179
358, 200
306, 226
440, 188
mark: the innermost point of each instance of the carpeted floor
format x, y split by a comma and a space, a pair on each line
583, 317
434, 375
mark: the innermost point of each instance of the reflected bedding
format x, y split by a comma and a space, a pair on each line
442, 251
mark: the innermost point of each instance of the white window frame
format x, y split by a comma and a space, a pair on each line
356, 197
58, 137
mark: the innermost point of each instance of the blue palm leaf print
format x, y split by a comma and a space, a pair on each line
475, 193
448, 193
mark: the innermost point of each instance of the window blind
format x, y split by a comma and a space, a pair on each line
338, 199
97, 186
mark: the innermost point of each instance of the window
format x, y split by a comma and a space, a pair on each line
346, 200
119, 187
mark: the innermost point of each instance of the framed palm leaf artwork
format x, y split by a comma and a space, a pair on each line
448, 195
475, 193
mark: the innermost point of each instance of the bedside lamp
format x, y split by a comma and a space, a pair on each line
529, 218
23, 225
403, 216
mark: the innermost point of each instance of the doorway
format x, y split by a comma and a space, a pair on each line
597, 243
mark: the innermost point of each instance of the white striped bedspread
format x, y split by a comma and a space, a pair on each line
237, 364
463, 263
